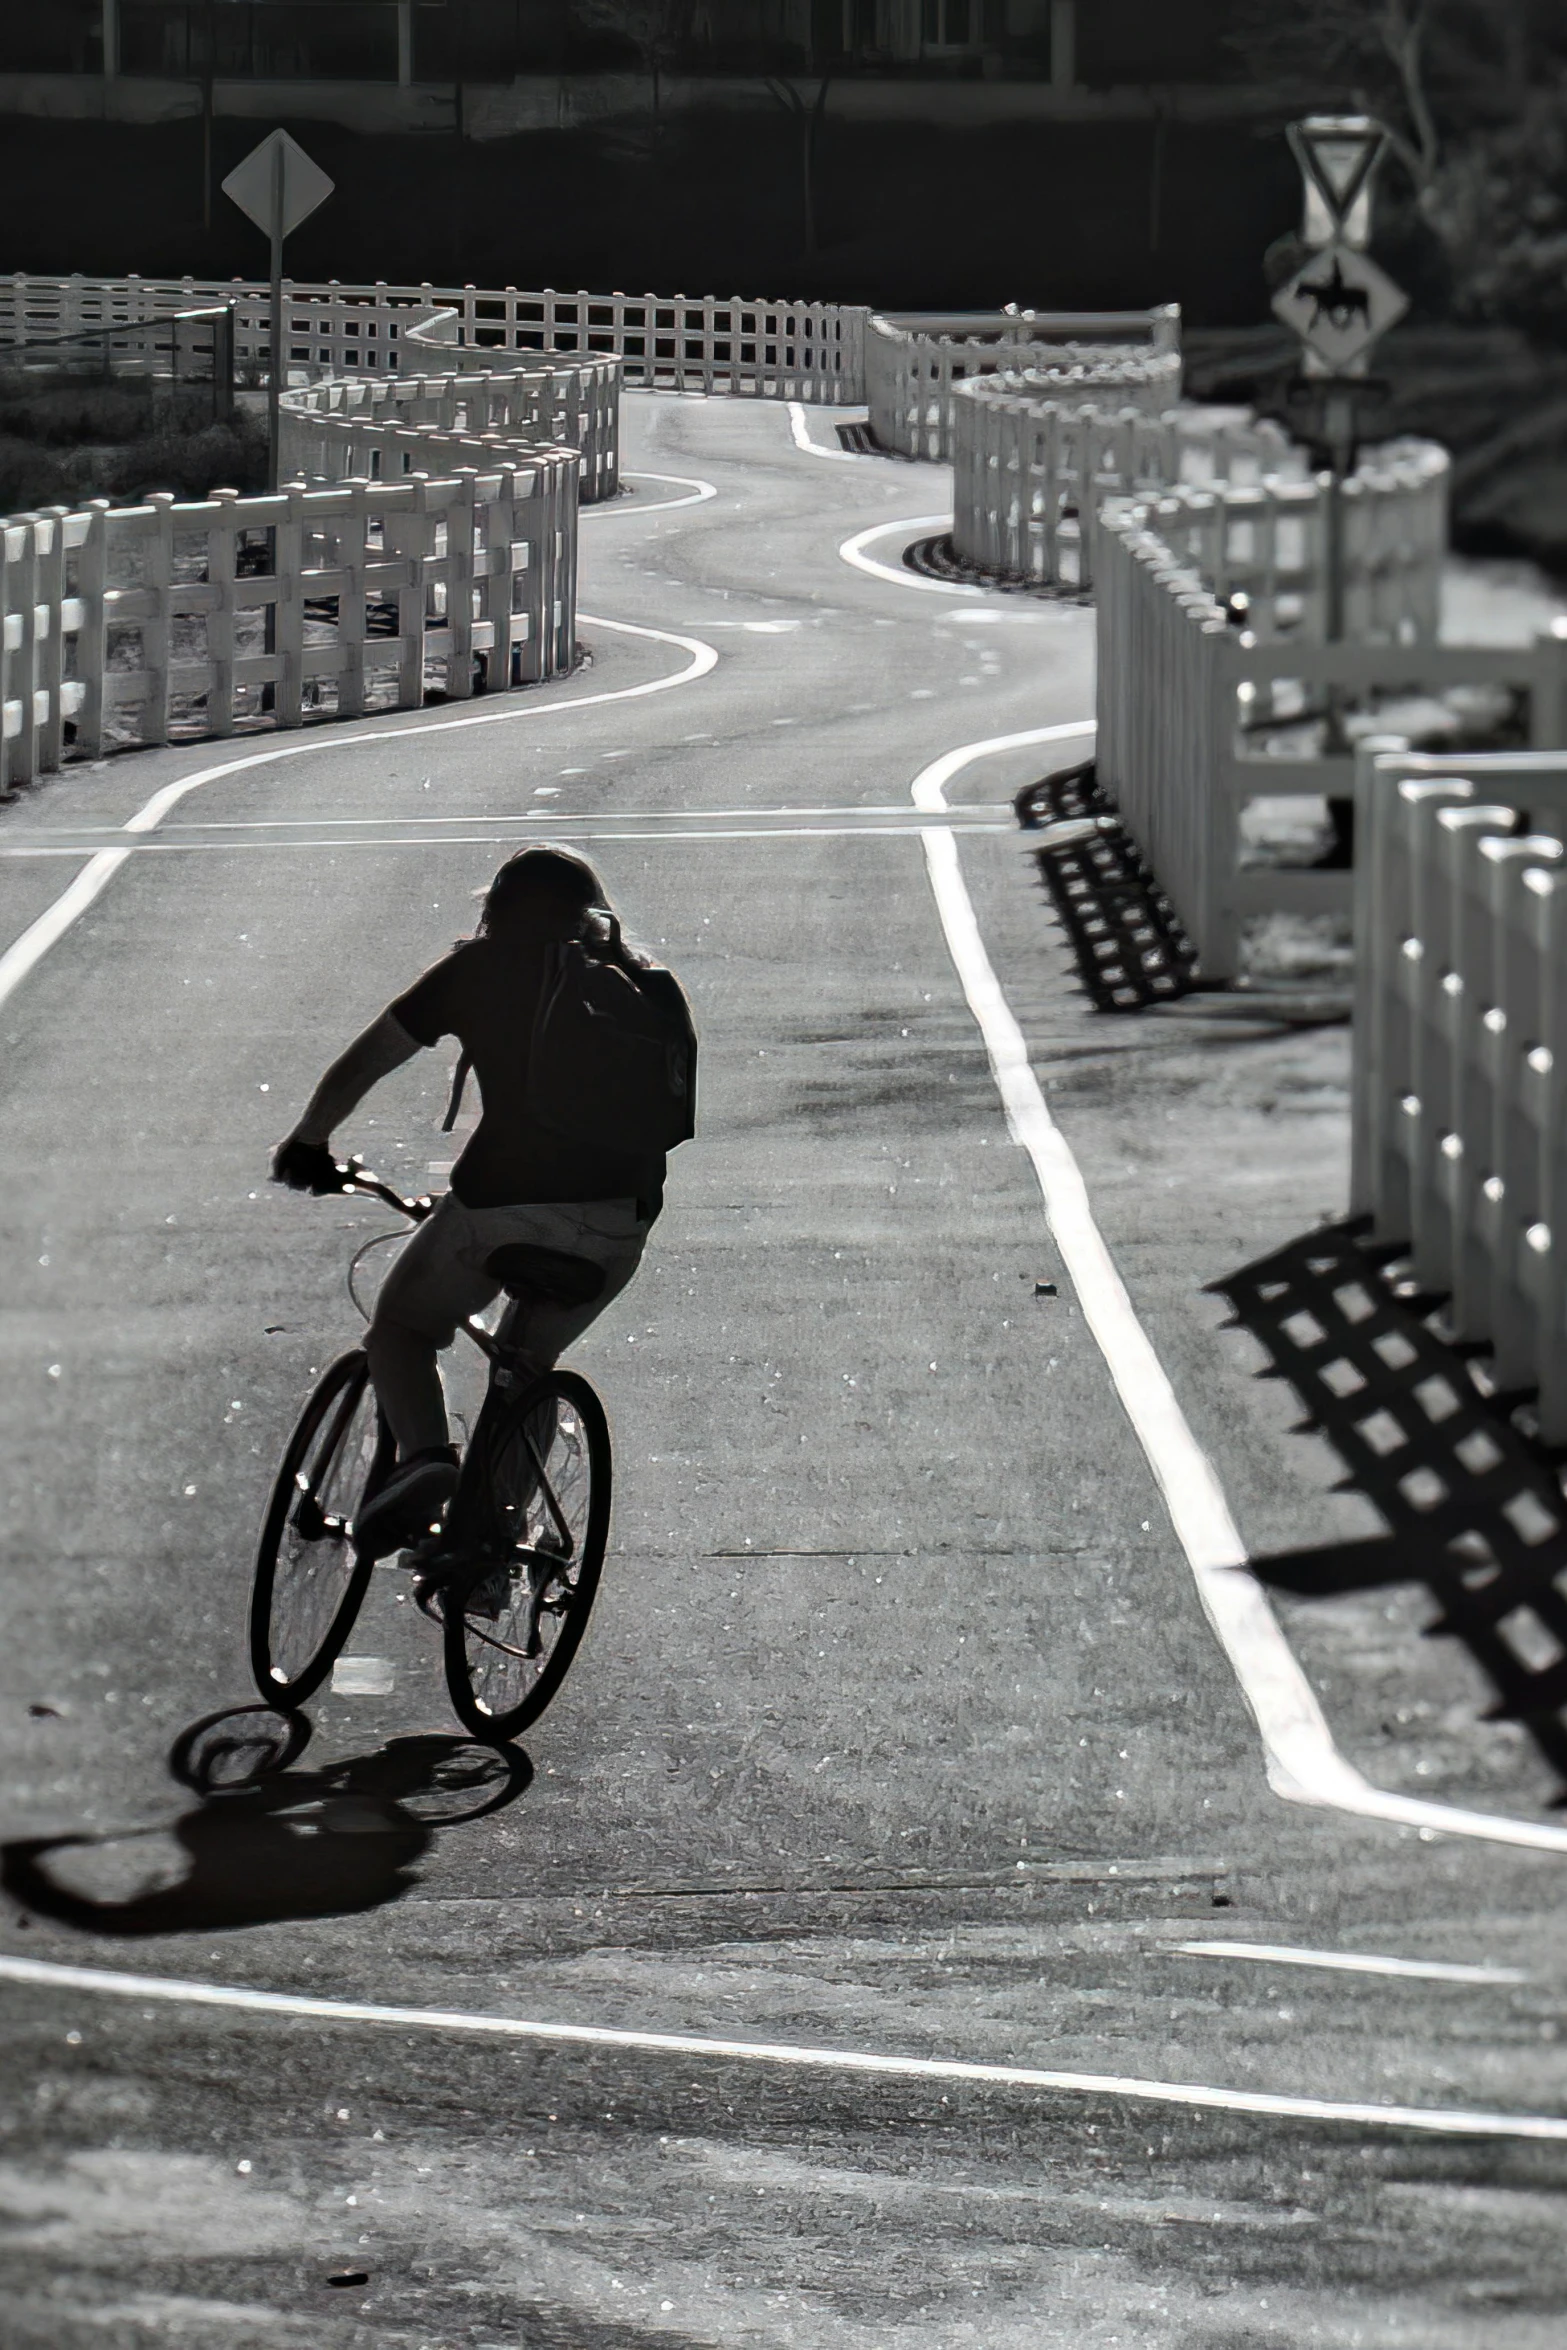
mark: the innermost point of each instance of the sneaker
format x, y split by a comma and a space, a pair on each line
409, 1505
490, 1597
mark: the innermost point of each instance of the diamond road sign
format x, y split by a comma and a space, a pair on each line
1338, 304
253, 185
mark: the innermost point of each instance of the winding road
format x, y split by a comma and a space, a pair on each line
947, 1904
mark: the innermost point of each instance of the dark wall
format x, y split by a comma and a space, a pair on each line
1120, 41
63, 37
1042, 214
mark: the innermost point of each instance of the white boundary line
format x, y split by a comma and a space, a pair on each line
1352, 1962
802, 439
1434, 2120
692, 481
1304, 1764
573, 828
79, 838
853, 551
24, 955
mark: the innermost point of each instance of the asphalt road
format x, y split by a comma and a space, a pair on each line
900, 1728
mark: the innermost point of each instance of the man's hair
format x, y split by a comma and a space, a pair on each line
559, 876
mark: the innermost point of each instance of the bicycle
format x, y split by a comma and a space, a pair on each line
515, 1565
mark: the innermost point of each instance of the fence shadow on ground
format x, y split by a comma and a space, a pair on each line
1474, 1510
265, 1841
1130, 948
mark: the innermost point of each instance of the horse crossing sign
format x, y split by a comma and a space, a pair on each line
1339, 303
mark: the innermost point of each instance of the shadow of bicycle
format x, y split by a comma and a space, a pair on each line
266, 1841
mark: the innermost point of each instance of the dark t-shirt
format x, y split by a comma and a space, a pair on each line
486, 996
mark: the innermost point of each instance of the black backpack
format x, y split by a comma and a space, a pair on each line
612, 1057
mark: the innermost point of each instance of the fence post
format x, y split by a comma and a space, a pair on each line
1548, 697
92, 581
1544, 1267
1219, 943
157, 632
352, 614
50, 529
460, 517
16, 579
221, 568
1442, 849
414, 538
1376, 916
288, 626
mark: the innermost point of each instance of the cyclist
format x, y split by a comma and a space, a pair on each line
519, 1179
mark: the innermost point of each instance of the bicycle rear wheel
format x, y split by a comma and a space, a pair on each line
310, 1581
515, 1618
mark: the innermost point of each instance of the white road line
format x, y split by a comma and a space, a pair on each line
78, 836
853, 551
703, 490
24, 955
1304, 1765
1437, 2120
1352, 1962
567, 829
803, 440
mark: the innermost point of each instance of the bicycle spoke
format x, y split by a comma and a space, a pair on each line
309, 1576
556, 1511
547, 1470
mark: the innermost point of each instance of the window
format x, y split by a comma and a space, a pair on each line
949, 24
64, 37
261, 40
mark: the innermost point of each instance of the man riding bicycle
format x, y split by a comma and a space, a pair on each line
585, 1059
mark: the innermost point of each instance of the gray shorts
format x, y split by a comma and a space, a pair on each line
439, 1280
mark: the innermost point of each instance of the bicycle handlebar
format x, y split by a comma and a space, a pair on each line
358, 1178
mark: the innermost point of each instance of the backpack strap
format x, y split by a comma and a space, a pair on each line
459, 1080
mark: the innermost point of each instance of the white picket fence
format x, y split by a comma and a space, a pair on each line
1031, 471
378, 428
1269, 541
167, 622
1460, 1050
914, 364
812, 351
1182, 697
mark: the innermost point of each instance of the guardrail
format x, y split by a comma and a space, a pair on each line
1270, 542
1031, 471
812, 351
914, 364
375, 428
168, 622
1183, 699
428, 545
1460, 1056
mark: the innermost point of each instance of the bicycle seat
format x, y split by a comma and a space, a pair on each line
524, 1271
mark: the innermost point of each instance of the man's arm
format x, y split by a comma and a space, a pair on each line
384, 1046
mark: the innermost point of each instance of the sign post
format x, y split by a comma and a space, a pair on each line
1339, 303
277, 186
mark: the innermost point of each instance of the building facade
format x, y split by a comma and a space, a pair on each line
1062, 45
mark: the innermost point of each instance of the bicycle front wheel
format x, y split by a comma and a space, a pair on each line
514, 1620
310, 1580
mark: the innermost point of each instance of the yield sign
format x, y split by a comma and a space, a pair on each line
254, 185
1338, 154
1338, 304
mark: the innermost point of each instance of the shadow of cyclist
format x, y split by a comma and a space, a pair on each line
266, 1842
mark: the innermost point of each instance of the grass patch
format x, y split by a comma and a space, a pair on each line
63, 440
1496, 400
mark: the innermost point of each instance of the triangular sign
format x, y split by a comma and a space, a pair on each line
261, 189
1338, 153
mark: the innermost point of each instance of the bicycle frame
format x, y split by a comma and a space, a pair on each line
508, 1370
